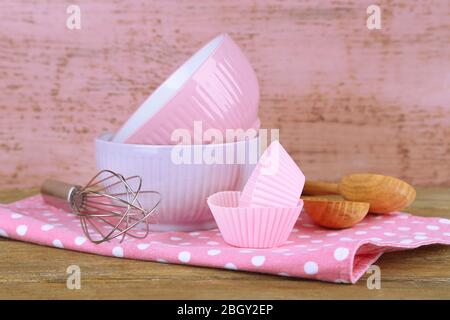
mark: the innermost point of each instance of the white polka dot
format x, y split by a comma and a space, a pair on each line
375, 239
47, 227
16, 216
176, 238
375, 227
214, 252
420, 237
404, 228
288, 254
258, 261
3, 233
403, 216
389, 234
444, 221
316, 241
53, 219
161, 260
311, 267
431, 227
194, 234
446, 234
419, 233
185, 244
21, 230
47, 214
312, 249
360, 232
246, 251
57, 243
230, 266
283, 274
406, 241
341, 254
289, 241
280, 250
143, 246
300, 246
417, 222
203, 237
117, 252
80, 240
346, 239
184, 256
303, 236
295, 230
389, 222
212, 243
332, 234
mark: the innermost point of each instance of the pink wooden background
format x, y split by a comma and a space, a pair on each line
345, 98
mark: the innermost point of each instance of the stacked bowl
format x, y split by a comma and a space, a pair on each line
195, 135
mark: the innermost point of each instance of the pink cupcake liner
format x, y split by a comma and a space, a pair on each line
252, 227
276, 181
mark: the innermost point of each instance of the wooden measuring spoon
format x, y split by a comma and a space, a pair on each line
335, 214
385, 194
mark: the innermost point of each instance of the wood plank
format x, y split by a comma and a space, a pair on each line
32, 271
345, 98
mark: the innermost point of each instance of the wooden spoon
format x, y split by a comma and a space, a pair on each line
335, 214
385, 194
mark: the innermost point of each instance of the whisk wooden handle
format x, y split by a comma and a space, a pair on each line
316, 188
57, 189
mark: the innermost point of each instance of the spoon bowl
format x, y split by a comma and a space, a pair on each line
385, 194
335, 214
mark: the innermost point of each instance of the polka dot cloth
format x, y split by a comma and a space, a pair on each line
311, 252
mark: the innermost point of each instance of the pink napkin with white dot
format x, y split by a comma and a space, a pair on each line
311, 252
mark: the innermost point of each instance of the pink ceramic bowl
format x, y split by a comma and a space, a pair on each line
216, 86
252, 227
184, 185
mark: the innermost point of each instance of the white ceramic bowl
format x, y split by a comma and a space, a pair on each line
184, 187
217, 86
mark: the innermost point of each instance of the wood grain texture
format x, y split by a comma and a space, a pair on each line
335, 214
32, 271
346, 99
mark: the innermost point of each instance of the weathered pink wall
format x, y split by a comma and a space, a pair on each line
346, 99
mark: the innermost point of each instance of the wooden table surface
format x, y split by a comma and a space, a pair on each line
32, 271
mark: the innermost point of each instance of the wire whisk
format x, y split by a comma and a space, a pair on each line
109, 206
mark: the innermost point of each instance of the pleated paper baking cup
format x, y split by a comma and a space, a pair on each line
252, 227
276, 181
